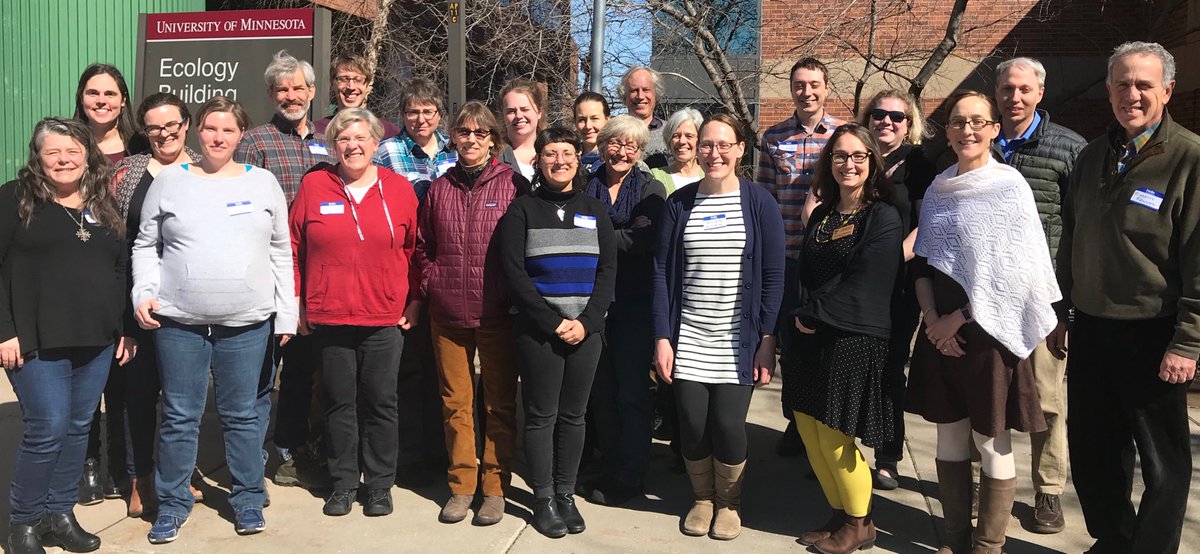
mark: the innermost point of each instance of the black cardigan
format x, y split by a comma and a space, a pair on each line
859, 299
57, 291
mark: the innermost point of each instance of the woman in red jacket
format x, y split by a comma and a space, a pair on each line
462, 282
353, 228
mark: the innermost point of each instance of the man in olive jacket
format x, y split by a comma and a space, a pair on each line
1129, 261
1044, 153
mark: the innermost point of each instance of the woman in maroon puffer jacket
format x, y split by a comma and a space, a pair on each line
463, 287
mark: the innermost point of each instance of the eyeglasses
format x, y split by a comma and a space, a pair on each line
350, 79
896, 117
858, 157
427, 114
707, 147
480, 134
564, 156
168, 129
976, 124
630, 147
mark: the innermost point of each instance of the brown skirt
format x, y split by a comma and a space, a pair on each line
989, 384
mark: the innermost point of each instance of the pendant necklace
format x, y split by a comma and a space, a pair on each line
83, 234
560, 212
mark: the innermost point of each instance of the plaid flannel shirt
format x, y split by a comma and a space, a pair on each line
278, 148
402, 155
787, 166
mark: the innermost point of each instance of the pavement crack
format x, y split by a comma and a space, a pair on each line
912, 459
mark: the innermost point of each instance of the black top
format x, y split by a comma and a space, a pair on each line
134, 219
57, 291
858, 299
911, 174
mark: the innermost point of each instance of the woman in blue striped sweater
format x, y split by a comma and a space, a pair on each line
560, 262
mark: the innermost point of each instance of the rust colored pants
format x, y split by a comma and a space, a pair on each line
455, 352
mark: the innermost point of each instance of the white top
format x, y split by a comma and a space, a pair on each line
682, 180
710, 319
526, 170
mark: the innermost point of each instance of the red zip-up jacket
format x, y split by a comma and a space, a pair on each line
340, 278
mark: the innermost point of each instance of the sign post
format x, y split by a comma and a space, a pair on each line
456, 70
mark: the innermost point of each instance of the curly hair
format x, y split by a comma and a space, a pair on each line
35, 189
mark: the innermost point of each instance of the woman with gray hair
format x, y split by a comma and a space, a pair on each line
621, 391
353, 230
680, 132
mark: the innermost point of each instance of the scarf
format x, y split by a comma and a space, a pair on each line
982, 229
621, 211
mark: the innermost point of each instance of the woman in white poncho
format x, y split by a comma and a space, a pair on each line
985, 284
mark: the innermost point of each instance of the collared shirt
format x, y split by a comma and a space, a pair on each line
1008, 146
1135, 146
278, 148
787, 167
402, 155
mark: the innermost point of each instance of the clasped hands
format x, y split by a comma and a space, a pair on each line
942, 331
571, 331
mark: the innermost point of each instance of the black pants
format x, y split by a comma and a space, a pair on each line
295, 391
142, 389
788, 335
358, 370
712, 420
1117, 403
556, 379
112, 425
906, 316
621, 395
421, 428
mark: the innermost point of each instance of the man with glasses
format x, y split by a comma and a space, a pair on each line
787, 164
1044, 153
351, 84
420, 152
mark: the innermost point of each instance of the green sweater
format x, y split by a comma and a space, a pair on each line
1130, 247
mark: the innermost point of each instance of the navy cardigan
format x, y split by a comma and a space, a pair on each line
762, 269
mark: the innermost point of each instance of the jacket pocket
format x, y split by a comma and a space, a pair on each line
216, 291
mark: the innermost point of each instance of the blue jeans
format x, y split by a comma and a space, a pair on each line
58, 389
186, 356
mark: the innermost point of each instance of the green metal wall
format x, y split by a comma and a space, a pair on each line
45, 44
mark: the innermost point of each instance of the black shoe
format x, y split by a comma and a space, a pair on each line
379, 503
790, 445
63, 530
614, 492
24, 538
1047, 514
89, 484
339, 502
546, 519
570, 513
110, 487
885, 478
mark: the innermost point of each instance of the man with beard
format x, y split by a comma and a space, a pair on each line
351, 80
288, 148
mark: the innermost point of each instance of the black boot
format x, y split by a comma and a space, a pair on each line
546, 519
63, 530
110, 486
570, 513
23, 539
89, 484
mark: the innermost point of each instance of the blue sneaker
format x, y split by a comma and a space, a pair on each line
250, 521
165, 529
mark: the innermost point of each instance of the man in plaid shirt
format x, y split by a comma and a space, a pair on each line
421, 153
787, 167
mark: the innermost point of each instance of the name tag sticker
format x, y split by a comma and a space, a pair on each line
788, 146
317, 148
333, 208
87, 216
490, 204
585, 221
715, 222
239, 208
1148, 198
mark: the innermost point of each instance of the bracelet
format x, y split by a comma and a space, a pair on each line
926, 312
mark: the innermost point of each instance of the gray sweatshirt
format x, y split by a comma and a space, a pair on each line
216, 251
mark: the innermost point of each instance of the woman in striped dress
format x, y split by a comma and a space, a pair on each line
718, 283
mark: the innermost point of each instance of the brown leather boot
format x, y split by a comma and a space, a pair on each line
808, 538
727, 524
699, 519
954, 487
995, 510
857, 533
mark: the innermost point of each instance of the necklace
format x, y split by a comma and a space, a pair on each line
83, 234
561, 214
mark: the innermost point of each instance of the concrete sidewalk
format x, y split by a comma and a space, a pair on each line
779, 502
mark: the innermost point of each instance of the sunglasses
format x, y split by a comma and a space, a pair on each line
897, 117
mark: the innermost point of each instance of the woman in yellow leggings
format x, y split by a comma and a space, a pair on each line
848, 271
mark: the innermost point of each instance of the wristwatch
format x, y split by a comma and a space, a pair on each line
966, 313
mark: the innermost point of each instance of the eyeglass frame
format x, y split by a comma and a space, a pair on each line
161, 130
897, 116
721, 147
479, 134
974, 124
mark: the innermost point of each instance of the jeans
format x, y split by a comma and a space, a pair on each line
358, 370
58, 389
621, 395
187, 355
111, 426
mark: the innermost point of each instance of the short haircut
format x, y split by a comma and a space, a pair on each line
158, 100
478, 113
285, 65
739, 128
678, 118
353, 62
421, 91
1023, 62
811, 64
590, 96
349, 116
961, 94
655, 77
626, 127
223, 104
875, 187
916, 121
1147, 49
554, 135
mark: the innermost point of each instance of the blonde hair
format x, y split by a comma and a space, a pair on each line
916, 122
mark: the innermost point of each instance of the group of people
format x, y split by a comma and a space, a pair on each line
590, 266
